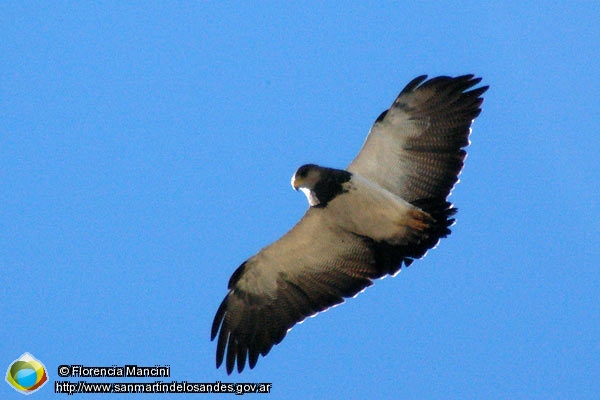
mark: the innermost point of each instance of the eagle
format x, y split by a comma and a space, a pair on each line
386, 209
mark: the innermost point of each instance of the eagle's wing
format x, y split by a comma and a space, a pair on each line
311, 268
415, 149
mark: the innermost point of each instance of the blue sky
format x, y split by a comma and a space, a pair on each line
146, 150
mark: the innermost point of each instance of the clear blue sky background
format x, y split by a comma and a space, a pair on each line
146, 150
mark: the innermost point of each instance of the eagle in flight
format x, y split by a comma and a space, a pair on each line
387, 208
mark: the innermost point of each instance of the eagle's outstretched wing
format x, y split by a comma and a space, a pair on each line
389, 207
415, 149
311, 268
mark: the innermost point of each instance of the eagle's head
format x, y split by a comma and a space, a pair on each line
320, 184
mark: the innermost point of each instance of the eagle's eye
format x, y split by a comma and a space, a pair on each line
304, 170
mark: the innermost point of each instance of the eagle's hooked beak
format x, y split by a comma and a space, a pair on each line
297, 182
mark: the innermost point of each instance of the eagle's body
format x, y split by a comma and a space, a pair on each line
390, 206
392, 219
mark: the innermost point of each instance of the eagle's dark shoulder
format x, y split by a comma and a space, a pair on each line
331, 185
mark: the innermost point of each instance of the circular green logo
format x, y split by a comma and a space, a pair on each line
26, 374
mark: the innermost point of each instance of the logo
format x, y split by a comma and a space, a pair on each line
26, 374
